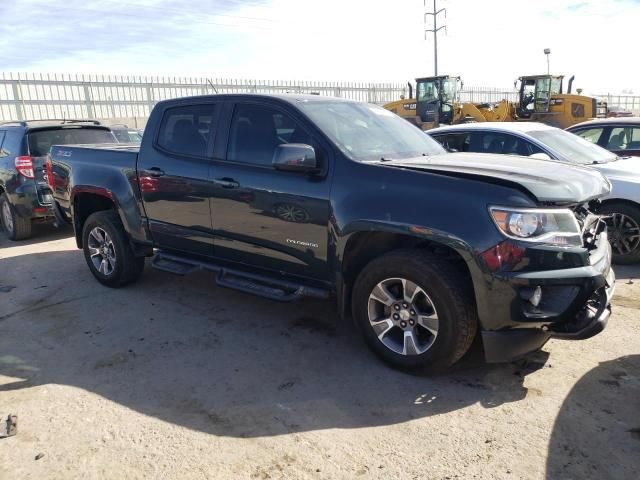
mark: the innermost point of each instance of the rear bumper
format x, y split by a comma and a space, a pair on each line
33, 201
577, 306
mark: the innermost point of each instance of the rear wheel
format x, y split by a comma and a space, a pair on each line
108, 252
415, 310
17, 228
623, 224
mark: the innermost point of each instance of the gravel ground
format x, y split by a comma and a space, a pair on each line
176, 378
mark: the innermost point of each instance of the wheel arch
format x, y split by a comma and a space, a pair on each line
623, 201
86, 202
364, 246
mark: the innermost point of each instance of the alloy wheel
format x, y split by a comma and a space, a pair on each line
624, 233
102, 251
403, 316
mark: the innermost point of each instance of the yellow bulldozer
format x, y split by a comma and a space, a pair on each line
540, 99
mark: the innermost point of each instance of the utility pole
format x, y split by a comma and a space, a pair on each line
435, 31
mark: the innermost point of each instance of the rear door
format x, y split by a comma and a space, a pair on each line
263, 217
173, 172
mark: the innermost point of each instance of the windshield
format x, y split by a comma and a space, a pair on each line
365, 132
573, 148
427, 91
40, 141
449, 88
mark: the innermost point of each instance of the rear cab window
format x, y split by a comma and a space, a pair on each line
186, 130
41, 140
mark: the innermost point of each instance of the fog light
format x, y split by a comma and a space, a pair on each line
535, 297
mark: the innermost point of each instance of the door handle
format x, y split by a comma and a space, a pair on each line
226, 182
155, 172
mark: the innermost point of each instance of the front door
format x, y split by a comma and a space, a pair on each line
263, 217
428, 101
173, 171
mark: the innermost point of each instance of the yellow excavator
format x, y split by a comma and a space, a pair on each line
540, 99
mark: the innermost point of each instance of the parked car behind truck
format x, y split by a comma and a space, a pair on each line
423, 248
25, 197
621, 207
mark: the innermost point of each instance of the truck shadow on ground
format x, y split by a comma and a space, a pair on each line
597, 432
218, 361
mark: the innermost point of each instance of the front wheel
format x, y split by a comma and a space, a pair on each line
108, 252
623, 229
415, 310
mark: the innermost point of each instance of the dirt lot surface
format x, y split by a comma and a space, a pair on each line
176, 378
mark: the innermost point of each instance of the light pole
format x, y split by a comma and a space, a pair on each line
547, 51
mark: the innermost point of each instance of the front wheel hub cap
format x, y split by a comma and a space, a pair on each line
403, 316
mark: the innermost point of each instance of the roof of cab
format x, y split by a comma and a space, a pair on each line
292, 98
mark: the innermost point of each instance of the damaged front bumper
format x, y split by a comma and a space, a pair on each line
576, 305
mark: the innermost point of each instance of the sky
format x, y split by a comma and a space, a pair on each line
489, 43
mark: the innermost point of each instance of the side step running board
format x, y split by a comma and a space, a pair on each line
261, 285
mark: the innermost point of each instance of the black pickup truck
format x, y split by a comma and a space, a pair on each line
292, 196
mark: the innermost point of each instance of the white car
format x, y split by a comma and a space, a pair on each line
622, 206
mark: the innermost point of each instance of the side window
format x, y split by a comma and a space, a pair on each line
619, 138
590, 134
11, 143
185, 130
635, 139
531, 149
2, 135
493, 142
257, 130
501, 143
458, 142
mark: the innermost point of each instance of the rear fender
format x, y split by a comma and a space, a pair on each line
123, 202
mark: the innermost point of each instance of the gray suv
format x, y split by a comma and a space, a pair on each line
25, 195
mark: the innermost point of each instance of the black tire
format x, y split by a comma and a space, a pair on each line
19, 228
128, 267
633, 213
450, 293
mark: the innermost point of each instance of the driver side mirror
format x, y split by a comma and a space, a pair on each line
295, 157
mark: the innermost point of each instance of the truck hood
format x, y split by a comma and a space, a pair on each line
548, 181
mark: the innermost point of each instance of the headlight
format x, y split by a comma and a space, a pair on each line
550, 226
